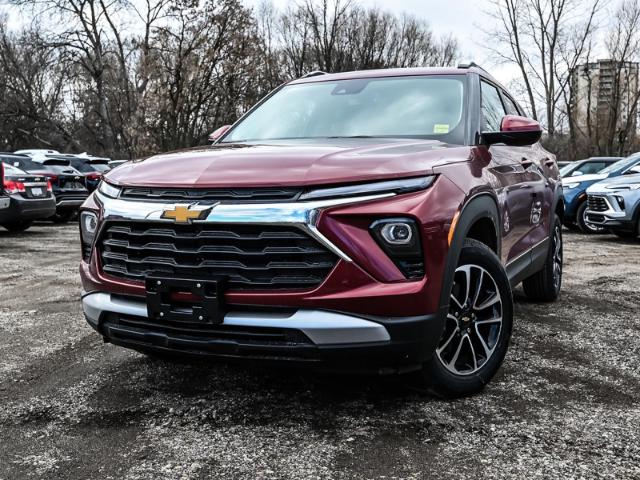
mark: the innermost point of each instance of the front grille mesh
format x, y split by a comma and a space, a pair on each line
597, 203
248, 256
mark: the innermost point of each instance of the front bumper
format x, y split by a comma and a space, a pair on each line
612, 217
70, 198
321, 339
21, 208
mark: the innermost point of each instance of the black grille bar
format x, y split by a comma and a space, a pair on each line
215, 194
249, 256
597, 203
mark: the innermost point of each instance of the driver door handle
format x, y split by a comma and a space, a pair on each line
525, 162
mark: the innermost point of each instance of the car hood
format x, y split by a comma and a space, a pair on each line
291, 164
602, 187
585, 178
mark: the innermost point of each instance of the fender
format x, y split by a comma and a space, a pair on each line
558, 197
480, 206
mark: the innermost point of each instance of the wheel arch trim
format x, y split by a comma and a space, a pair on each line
482, 205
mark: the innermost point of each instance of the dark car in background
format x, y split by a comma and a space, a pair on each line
575, 192
587, 166
91, 167
5, 201
68, 184
614, 204
30, 198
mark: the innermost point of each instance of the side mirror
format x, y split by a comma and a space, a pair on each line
514, 131
218, 133
633, 170
577, 173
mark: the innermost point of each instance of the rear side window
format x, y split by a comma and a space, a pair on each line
492, 108
11, 170
510, 105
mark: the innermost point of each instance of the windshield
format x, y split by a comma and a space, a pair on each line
429, 107
567, 169
622, 164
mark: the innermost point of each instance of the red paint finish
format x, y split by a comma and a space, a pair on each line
287, 164
515, 123
518, 178
372, 284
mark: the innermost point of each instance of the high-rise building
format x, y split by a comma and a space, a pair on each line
602, 90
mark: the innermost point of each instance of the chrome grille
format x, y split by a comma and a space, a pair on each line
597, 203
248, 256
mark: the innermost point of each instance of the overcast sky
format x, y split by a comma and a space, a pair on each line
459, 18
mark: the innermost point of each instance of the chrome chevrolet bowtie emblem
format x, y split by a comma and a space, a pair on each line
185, 214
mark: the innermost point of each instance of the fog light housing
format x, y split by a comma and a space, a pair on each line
88, 229
400, 240
620, 201
397, 233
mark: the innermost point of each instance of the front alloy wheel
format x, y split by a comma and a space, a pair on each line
477, 327
473, 323
583, 222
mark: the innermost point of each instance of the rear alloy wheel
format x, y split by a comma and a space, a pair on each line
17, 227
584, 225
477, 327
544, 286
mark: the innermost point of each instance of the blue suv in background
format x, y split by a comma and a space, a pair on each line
575, 192
614, 204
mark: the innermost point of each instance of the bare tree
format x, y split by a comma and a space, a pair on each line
538, 36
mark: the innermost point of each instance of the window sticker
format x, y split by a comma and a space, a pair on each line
440, 128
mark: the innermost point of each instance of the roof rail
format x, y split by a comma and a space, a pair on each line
471, 65
14, 154
315, 73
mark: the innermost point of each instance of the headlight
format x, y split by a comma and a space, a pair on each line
108, 190
400, 240
88, 228
628, 186
391, 186
571, 185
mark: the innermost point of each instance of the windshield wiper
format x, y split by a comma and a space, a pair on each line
350, 136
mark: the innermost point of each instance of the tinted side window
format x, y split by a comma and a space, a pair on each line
492, 108
511, 107
592, 167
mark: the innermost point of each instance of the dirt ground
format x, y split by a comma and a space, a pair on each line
566, 403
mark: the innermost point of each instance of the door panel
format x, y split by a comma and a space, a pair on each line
516, 190
542, 170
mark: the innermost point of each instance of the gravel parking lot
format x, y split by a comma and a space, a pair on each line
565, 404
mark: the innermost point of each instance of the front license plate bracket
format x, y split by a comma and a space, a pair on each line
185, 300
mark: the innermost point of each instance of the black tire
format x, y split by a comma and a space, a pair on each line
17, 227
625, 234
63, 216
450, 381
585, 226
572, 226
544, 286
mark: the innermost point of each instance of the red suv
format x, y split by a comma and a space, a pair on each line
363, 221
